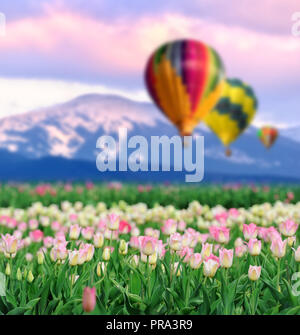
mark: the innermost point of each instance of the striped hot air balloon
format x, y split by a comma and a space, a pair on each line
185, 80
233, 113
268, 136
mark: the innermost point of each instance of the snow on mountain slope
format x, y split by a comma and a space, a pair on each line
58, 130
71, 130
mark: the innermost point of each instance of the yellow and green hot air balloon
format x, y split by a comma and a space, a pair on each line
233, 113
185, 80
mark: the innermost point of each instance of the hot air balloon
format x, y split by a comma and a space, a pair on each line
268, 136
185, 80
233, 113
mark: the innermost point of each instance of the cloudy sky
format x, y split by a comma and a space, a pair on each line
55, 50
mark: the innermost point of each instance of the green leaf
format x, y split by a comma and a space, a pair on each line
17, 311
32, 303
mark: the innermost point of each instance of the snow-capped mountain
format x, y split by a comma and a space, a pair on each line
292, 133
71, 130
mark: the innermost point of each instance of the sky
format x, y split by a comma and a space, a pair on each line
53, 51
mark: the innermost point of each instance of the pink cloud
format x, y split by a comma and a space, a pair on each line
123, 45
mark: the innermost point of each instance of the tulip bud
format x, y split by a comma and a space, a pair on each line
30, 277
73, 257
297, 254
291, 240
153, 258
28, 257
98, 240
176, 269
134, 261
100, 268
89, 299
7, 270
123, 248
74, 232
40, 257
19, 274
106, 254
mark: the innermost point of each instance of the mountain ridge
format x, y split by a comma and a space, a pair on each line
71, 130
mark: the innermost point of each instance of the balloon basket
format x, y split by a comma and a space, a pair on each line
228, 152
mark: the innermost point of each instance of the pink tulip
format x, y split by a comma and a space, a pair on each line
55, 226
254, 272
195, 261
262, 233
272, 234
187, 239
226, 257
206, 250
134, 242
9, 243
297, 254
181, 226
148, 245
102, 225
87, 233
124, 227
203, 238
240, 250
36, 235
73, 217
278, 247
211, 265
250, 231
288, 228
113, 221
169, 227
175, 241
89, 299
22, 226
254, 247
33, 224
185, 253
233, 212
161, 250
98, 239
74, 231
219, 234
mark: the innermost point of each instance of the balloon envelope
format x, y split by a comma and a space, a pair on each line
234, 111
185, 79
267, 135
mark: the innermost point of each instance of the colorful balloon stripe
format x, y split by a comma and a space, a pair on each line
185, 79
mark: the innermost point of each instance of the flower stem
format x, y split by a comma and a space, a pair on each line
278, 275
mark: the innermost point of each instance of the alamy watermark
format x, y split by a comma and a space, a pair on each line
296, 24
186, 157
2, 24
2, 284
296, 276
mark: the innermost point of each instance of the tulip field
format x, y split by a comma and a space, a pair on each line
115, 248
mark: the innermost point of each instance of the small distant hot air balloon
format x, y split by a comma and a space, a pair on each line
233, 113
185, 80
268, 136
